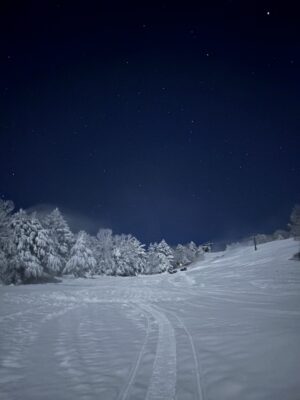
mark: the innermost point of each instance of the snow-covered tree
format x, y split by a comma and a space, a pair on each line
4, 270
180, 255
61, 235
159, 258
280, 234
92, 244
295, 221
165, 249
263, 238
104, 252
31, 251
156, 261
129, 255
186, 254
82, 262
6, 207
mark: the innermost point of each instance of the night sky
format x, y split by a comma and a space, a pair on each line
160, 121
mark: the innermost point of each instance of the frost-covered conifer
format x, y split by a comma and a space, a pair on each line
166, 250
31, 252
27, 248
295, 221
82, 262
6, 207
280, 234
61, 235
180, 255
104, 252
159, 258
191, 251
92, 244
4, 270
129, 255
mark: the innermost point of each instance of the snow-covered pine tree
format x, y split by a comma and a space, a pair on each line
104, 252
61, 235
4, 270
92, 244
6, 208
180, 255
295, 227
153, 264
280, 234
129, 255
31, 251
159, 258
295, 221
193, 252
82, 262
199, 254
138, 254
166, 250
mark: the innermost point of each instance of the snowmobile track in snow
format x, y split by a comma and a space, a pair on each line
163, 381
125, 393
197, 368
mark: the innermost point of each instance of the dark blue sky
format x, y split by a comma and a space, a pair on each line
162, 121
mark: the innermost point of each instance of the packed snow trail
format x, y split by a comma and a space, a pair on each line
125, 394
162, 385
226, 329
196, 369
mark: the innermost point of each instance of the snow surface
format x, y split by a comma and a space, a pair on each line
228, 328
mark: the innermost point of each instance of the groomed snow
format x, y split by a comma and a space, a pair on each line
228, 328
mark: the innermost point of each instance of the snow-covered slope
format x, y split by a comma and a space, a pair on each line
228, 328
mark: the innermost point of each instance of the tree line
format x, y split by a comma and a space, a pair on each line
35, 248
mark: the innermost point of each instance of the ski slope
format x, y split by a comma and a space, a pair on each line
228, 328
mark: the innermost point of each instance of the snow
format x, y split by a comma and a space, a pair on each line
227, 328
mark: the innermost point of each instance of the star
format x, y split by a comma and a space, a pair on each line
268, 13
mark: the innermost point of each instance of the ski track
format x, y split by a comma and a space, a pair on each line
197, 369
163, 381
126, 391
